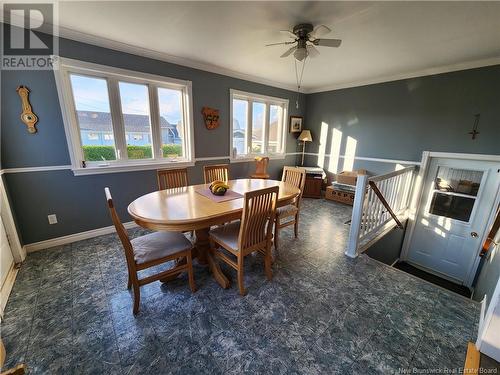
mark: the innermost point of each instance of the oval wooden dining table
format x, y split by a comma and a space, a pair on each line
185, 209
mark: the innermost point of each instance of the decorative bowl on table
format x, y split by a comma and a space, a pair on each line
218, 187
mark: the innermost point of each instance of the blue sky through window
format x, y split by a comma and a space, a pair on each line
240, 113
92, 94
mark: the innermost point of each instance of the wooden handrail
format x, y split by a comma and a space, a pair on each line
380, 196
386, 176
491, 235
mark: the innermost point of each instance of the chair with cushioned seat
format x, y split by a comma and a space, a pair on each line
152, 250
297, 178
253, 233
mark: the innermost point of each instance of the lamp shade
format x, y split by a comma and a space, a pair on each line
305, 136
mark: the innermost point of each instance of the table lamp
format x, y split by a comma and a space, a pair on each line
305, 136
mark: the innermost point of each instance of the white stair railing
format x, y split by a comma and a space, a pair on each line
370, 218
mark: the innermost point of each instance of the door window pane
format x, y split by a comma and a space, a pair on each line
275, 130
258, 123
171, 122
240, 125
460, 181
136, 120
94, 117
452, 206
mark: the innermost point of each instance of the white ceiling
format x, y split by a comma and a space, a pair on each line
381, 40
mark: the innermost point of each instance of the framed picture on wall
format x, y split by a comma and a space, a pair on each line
296, 124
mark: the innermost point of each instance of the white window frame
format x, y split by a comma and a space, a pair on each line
62, 70
268, 101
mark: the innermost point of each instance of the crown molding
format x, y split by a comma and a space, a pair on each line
415, 74
91, 39
161, 56
78, 36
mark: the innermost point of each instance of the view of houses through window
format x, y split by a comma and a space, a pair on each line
98, 126
258, 124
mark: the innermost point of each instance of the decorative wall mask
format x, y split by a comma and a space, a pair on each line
211, 117
27, 116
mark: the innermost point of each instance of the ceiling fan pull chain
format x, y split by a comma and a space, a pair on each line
299, 80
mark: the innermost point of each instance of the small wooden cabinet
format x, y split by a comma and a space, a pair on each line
339, 195
312, 188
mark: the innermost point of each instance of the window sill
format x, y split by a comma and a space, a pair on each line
250, 158
117, 168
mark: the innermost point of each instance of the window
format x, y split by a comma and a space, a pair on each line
455, 193
134, 100
257, 126
93, 113
117, 119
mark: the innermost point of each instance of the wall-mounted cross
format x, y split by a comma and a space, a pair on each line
474, 131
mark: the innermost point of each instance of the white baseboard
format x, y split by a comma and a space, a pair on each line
7, 286
64, 240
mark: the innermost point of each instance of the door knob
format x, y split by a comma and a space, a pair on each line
473, 234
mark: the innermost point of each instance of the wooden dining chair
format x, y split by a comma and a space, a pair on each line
252, 233
297, 178
20, 369
216, 172
172, 178
149, 251
261, 168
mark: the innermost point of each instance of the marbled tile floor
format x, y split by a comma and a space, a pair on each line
70, 313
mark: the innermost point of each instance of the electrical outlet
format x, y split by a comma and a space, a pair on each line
52, 219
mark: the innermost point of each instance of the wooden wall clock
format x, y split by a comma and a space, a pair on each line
27, 116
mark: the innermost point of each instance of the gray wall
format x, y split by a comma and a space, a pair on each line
79, 201
400, 119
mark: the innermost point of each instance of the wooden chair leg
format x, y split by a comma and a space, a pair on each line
276, 234
241, 281
129, 282
137, 296
267, 262
192, 284
296, 226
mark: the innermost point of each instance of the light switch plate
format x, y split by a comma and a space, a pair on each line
52, 219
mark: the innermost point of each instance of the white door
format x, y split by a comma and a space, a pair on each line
6, 258
457, 199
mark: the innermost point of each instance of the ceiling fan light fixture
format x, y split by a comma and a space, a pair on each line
300, 54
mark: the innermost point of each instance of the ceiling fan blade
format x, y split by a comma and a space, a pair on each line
288, 33
278, 44
327, 42
320, 31
312, 51
288, 52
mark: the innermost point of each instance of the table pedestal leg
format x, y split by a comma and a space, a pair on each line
204, 256
202, 245
178, 262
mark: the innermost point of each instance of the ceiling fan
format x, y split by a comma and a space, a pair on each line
306, 38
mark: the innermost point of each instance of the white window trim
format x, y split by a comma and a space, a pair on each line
268, 100
64, 66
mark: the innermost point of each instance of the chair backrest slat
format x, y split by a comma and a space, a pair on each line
216, 172
172, 178
120, 229
258, 216
296, 177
